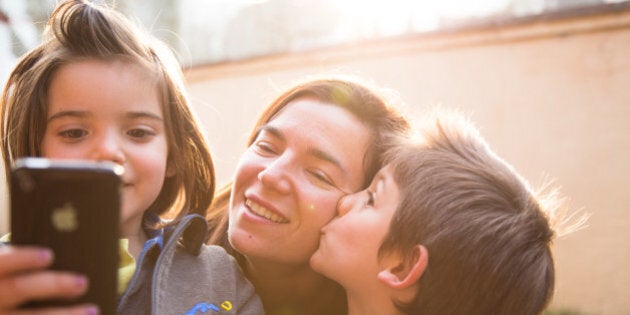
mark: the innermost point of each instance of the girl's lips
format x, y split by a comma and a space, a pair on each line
264, 212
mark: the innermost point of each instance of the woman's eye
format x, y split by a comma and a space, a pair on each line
370, 200
73, 133
264, 147
322, 178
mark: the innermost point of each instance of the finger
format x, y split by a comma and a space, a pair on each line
42, 285
87, 309
14, 259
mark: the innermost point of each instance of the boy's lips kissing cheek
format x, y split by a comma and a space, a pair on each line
263, 212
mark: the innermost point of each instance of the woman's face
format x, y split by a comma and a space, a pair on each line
288, 182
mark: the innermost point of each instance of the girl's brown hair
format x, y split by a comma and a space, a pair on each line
79, 30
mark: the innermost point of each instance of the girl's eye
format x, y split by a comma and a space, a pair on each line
370, 200
73, 133
139, 133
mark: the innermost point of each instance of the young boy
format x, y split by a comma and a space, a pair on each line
446, 227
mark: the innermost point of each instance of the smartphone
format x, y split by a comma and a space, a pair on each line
71, 207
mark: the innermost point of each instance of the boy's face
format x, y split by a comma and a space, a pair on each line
350, 242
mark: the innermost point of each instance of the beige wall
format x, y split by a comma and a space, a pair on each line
551, 98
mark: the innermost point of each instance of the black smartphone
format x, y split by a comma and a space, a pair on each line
71, 207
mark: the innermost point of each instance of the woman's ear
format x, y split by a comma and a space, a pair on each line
401, 273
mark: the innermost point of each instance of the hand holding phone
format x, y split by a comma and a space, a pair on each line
71, 207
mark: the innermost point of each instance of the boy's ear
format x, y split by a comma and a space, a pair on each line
401, 273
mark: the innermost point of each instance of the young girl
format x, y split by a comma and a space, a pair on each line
446, 227
99, 89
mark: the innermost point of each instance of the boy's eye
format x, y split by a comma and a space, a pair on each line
73, 133
370, 200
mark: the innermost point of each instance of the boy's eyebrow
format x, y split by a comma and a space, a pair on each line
319, 154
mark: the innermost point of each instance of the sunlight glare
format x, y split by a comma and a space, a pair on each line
379, 17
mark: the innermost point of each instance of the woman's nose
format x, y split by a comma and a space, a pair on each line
276, 176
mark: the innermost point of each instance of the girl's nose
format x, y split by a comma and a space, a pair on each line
109, 148
276, 176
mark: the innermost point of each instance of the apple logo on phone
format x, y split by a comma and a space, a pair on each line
64, 219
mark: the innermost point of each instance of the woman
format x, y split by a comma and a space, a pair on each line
317, 142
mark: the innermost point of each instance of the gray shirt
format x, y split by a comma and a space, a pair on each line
174, 276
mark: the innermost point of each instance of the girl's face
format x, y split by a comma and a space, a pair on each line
110, 111
349, 244
290, 179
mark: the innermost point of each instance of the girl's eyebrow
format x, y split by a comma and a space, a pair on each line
68, 113
144, 114
80, 114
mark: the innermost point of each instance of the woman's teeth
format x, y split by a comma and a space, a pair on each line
263, 212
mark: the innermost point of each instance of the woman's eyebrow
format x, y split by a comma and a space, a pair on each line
316, 152
273, 131
327, 157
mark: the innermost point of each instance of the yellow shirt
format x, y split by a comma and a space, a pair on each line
126, 266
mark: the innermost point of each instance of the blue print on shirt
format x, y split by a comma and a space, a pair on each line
205, 307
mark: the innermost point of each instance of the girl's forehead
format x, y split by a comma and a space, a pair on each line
102, 86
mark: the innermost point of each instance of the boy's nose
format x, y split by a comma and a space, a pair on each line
344, 205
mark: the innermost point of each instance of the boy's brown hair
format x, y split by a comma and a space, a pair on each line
488, 235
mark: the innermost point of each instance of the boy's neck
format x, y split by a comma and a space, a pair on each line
366, 303
285, 287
